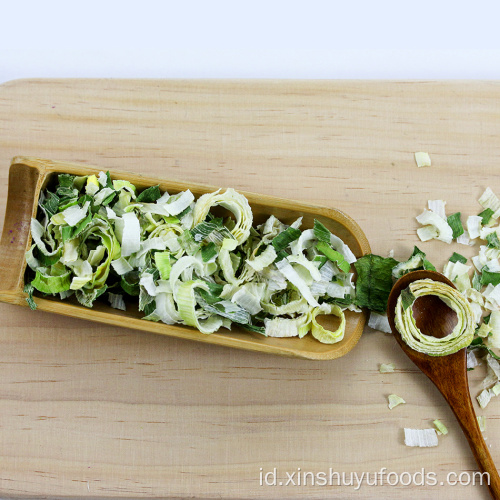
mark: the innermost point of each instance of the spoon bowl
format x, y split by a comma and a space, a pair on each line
448, 373
432, 316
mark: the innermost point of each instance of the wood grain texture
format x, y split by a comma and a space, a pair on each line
92, 410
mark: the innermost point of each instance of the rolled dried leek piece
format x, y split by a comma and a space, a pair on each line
462, 333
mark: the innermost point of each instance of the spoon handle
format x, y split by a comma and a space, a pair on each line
448, 373
460, 403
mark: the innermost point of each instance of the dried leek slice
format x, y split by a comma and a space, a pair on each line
433, 222
423, 438
395, 400
482, 423
460, 337
489, 200
186, 302
484, 398
288, 327
379, 322
387, 368
322, 334
422, 159
440, 427
235, 203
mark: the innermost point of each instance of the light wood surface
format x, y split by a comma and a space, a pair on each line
93, 410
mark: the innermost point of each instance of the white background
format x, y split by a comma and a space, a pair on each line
257, 39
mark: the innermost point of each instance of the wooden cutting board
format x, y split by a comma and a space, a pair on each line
90, 410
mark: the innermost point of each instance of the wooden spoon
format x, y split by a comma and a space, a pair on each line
448, 373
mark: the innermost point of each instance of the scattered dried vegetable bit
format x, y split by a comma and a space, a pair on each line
484, 398
379, 322
387, 368
440, 427
482, 423
422, 159
423, 438
395, 400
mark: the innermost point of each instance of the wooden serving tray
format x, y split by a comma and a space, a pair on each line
97, 411
28, 176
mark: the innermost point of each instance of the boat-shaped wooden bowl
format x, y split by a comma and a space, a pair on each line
28, 176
